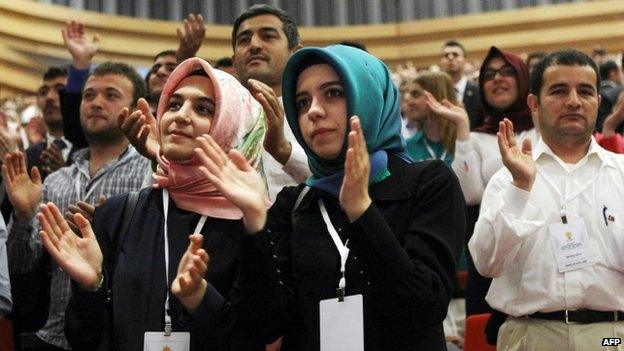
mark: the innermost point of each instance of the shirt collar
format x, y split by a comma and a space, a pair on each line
594, 149
50, 138
460, 86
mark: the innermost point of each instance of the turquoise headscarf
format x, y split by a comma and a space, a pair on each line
370, 94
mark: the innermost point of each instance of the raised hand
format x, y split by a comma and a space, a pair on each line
6, 146
52, 158
82, 52
615, 118
518, 160
236, 179
85, 209
354, 197
456, 114
190, 37
24, 192
81, 258
140, 128
189, 285
275, 142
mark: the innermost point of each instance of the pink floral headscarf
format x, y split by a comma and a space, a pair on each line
238, 123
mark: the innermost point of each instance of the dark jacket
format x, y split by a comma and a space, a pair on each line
609, 93
472, 104
135, 281
403, 252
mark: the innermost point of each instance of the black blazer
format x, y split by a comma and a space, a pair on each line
403, 251
472, 103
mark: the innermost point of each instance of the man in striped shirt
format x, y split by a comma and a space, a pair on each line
107, 167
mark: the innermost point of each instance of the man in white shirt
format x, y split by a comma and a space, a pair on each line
550, 230
452, 61
263, 39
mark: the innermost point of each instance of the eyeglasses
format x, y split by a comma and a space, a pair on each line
505, 71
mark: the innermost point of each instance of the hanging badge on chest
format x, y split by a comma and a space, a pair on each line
157, 341
571, 245
342, 324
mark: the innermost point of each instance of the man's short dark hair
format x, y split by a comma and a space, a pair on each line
55, 72
165, 53
535, 55
288, 24
122, 69
224, 62
606, 68
568, 57
453, 42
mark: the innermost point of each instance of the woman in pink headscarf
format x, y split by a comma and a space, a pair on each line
134, 271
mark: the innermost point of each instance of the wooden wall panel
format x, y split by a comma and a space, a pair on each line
30, 36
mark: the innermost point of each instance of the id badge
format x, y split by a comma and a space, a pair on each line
571, 245
342, 324
157, 341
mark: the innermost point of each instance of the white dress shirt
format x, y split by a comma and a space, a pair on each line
512, 241
460, 87
477, 159
294, 172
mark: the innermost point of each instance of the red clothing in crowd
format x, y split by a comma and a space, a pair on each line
614, 143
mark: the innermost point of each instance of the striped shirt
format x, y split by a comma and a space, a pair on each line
67, 186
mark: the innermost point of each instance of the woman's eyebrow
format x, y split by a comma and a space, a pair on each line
328, 84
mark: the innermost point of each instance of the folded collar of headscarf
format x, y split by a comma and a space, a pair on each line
238, 122
370, 94
519, 113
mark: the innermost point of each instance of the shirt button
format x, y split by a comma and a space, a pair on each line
271, 243
361, 272
281, 283
275, 257
278, 271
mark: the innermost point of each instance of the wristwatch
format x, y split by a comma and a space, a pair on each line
99, 282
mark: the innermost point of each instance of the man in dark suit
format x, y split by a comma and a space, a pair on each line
452, 61
55, 150
610, 88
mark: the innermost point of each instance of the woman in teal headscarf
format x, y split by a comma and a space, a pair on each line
403, 221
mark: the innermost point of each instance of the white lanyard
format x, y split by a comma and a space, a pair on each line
343, 250
198, 229
79, 188
431, 152
566, 199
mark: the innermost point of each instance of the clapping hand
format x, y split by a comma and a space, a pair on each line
236, 179
52, 158
275, 142
85, 209
24, 192
140, 128
189, 285
81, 258
518, 160
455, 114
354, 197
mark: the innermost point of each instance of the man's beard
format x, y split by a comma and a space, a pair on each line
108, 136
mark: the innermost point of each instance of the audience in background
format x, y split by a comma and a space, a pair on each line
611, 80
432, 95
452, 61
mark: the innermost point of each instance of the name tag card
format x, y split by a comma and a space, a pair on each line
571, 245
342, 324
157, 341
